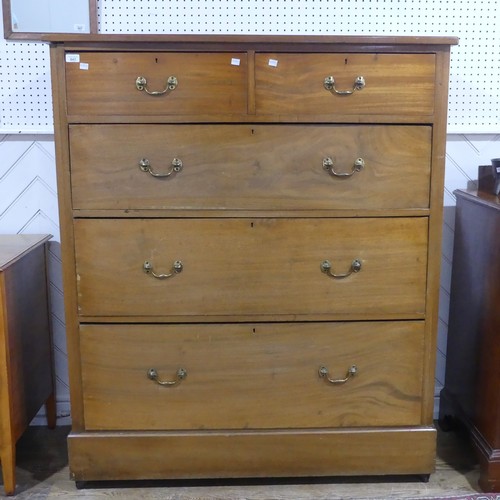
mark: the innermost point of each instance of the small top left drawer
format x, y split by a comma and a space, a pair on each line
156, 83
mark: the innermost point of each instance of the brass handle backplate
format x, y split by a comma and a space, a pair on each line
323, 373
142, 84
328, 165
176, 269
180, 376
175, 166
326, 267
329, 84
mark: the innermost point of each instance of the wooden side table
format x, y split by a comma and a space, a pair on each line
26, 374
472, 389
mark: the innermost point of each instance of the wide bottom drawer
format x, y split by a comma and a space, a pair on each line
252, 376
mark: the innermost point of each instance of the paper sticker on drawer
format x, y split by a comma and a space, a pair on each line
84, 66
235, 61
273, 63
72, 58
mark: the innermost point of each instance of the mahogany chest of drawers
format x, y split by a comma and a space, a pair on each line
251, 231
471, 397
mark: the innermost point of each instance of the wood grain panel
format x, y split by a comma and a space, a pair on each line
100, 455
396, 84
251, 375
208, 83
250, 167
246, 266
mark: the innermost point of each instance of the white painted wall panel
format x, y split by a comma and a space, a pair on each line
28, 204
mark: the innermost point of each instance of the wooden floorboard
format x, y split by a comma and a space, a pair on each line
42, 473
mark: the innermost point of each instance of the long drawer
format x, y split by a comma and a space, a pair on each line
251, 376
214, 267
250, 167
105, 83
394, 84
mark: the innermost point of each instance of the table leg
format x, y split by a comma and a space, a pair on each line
8, 458
50, 410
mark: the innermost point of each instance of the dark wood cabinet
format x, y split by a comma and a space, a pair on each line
472, 389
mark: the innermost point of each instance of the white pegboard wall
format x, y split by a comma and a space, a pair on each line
475, 66
25, 88
275, 16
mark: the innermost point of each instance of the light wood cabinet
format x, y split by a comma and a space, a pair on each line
26, 374
251, 232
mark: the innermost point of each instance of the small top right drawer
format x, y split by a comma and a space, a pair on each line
345, 84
